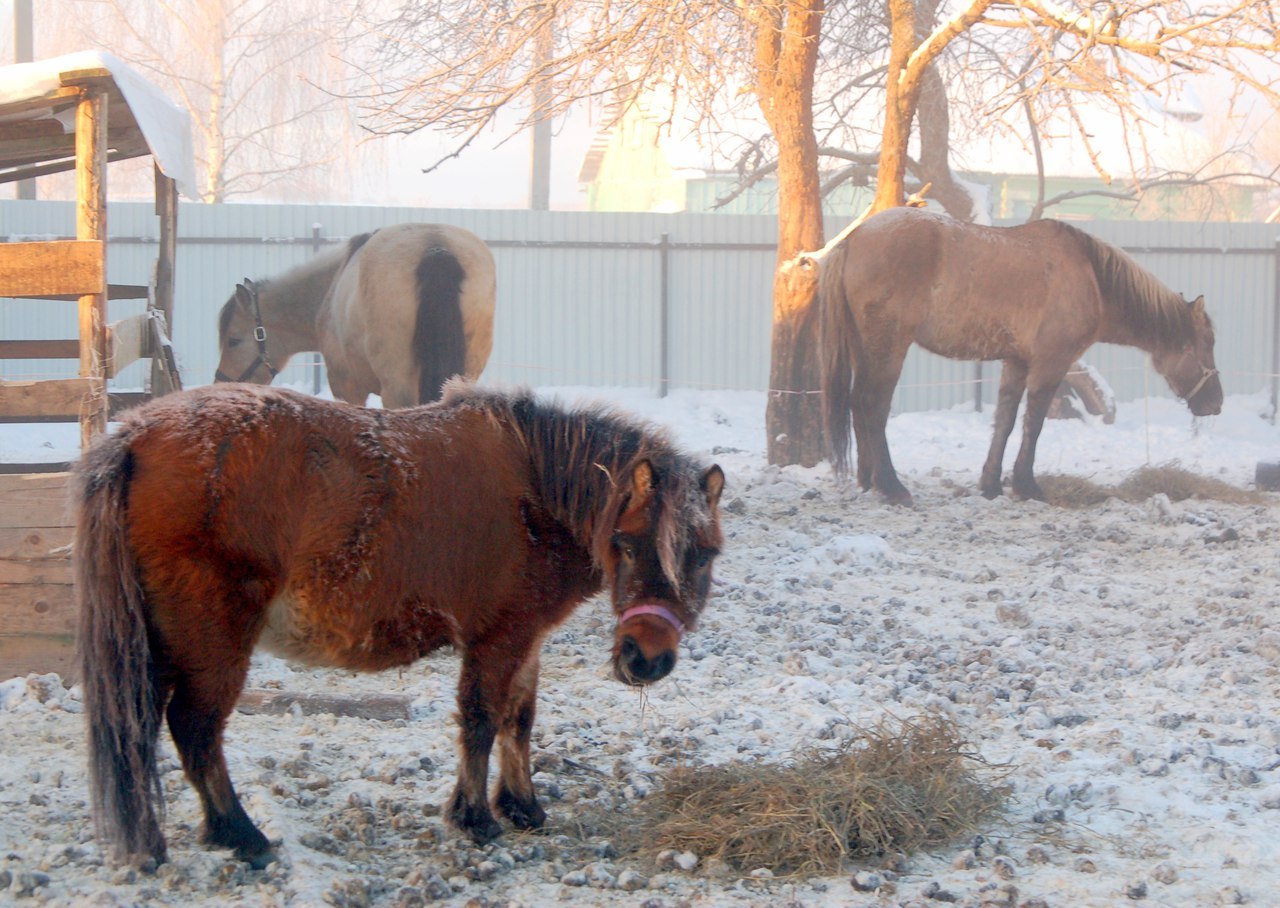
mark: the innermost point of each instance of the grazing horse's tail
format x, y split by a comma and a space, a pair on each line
121, 697
439, 342
838, 333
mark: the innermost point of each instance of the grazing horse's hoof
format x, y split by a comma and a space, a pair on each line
257, 860
522, 814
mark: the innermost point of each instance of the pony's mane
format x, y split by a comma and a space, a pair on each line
311, 278
582, 459
1143, 303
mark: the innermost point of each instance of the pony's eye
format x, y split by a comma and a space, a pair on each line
233, 343
626, 548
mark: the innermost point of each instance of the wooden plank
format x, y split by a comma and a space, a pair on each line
39, 349
127, 342
114, 292
36, 543
38, 608
63, 397
52, 267
39, 653
57, 466
383, 707
38, 502
36, 572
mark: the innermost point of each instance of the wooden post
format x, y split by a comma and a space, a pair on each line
166, 256
91, 224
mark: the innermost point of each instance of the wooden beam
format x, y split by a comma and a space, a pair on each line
91, 224
127, 342
52, 267
40, 349
114, 292
40, 653
383, 707
28, 502
36, 543
37, 572
30, 608
60, 397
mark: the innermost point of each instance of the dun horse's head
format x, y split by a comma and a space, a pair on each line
249, 353
1190, 369
657, 561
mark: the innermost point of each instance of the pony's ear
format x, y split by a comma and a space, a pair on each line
642, 483
1197, 305
712, 484
244, 294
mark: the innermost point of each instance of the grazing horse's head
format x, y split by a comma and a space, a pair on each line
657, 561
1189, 368
249, 353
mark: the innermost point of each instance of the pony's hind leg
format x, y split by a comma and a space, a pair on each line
515, 798
873, 385
197, 715
1013, 381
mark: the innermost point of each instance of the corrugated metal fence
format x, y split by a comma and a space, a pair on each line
641, 300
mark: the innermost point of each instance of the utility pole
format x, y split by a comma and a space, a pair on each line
540, 164
23, 52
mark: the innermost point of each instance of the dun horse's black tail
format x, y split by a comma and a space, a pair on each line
121, 698
838, 332
439, 341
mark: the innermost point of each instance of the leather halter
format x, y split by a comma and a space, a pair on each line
260, 337
1205, 374
652, 608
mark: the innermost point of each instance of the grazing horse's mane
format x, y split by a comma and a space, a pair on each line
582, 458
1142, 302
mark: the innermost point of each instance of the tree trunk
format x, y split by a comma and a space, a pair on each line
787, 38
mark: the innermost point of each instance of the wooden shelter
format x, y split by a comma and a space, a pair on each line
77, 112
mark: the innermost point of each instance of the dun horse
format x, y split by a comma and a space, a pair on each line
226, 517
1034, 296
396, 312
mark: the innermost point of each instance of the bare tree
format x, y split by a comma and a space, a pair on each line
852, 81
247, 71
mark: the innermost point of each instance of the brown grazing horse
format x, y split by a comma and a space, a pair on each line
232, 516
1035, 296
396, 312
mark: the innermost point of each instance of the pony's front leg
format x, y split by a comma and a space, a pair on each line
1013, 381
515, 797
469, 806
1040, 393
495, 693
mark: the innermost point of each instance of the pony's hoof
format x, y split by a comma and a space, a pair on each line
522, 814
475, 821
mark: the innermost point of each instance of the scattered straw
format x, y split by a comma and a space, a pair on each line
900, 786
1175, 482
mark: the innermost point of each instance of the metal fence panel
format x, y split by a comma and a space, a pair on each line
581, 296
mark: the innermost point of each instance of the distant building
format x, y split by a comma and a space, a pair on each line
628, 168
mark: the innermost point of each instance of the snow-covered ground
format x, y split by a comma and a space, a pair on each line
1123, 660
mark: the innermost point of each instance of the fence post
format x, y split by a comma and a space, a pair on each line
1275, 337
664, 315
977, 387
316, 359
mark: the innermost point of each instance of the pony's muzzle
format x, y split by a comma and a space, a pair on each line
645, 644
632, 665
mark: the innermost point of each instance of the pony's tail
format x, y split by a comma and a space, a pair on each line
837, 331
439, 341
121, 697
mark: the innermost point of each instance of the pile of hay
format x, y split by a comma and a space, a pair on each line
1177, 483
900, 786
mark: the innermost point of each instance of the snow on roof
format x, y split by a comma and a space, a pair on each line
32, 92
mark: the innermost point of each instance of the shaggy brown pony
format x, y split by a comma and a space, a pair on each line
232, 516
